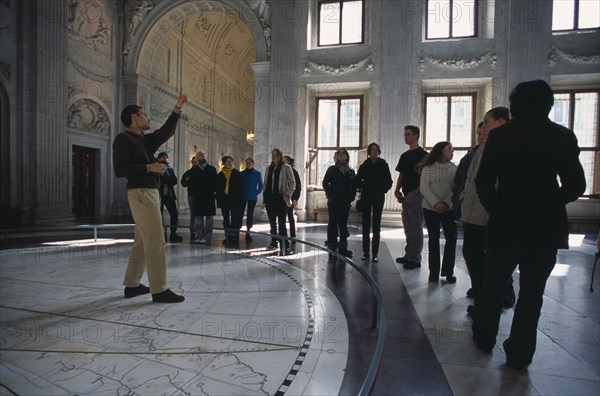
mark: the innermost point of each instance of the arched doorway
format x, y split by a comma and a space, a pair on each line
207, 49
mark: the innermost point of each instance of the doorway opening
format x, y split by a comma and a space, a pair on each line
84, 160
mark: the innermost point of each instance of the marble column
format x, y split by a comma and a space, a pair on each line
262, 115
51, 158
400, 85
528, 42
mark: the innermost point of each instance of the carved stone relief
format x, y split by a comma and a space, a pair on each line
556, 54
366, 64
87, 24
203, 26
5, 70
90, 75
88, 115
459, 64
199, 127
133, 18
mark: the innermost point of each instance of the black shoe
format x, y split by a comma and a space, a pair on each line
511, 360
471, 293
375, 259
451, 279
483, 346
175, 238
273, 246
411, 265
433, 278
365, 257
402, 260
136, 291
508, 300
167, 297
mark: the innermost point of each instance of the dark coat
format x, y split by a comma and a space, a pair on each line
517, 183
339, 187
373, 179
168, 181
236, 188
202, 186
296, 195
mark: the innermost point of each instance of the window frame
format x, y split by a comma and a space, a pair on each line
451, 23
595, 188
313, 162
575, 25
474, 122
341, 3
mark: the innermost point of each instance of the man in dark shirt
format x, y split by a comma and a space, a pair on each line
133, 158
411, 198
524, 187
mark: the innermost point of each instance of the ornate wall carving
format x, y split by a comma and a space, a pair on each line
5, 70
459, 64
88, 115
88, 73
556, 54
87, 25
134, 16
366, 64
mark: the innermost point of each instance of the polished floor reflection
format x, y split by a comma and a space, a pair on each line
254, 323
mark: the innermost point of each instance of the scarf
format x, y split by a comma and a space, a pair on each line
227, 174
342, 166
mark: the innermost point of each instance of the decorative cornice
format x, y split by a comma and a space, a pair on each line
366, 64
556, 54
89, 74
199, 126
459, 64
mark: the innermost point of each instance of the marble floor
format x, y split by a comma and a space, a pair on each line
256, 323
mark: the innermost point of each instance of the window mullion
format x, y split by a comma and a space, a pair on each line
339, 118
450, 16
576, 16
340, 30
448, 118
572, 111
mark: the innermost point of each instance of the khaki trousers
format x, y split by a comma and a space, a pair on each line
149, 248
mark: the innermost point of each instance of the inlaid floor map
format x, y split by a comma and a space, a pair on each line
248, 326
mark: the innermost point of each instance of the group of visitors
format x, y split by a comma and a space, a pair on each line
236, 193
509, 192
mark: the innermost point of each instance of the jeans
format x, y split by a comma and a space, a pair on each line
277, 212
412, 219
433, 221
250, 214
377, 206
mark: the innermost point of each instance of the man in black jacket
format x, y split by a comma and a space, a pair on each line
168, 181
133, 158
517, 184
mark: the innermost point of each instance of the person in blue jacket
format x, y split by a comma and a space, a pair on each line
253, 185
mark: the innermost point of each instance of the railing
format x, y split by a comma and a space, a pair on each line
378, 319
